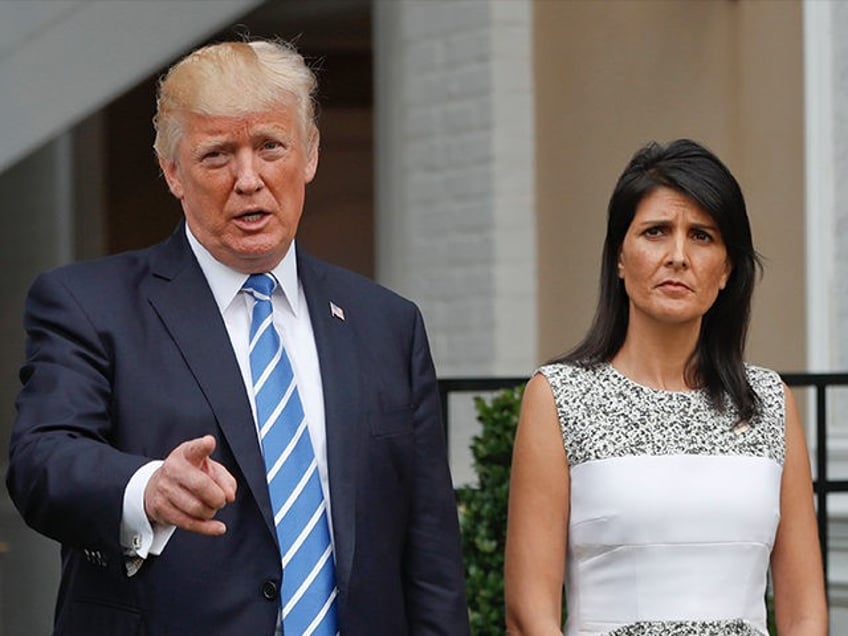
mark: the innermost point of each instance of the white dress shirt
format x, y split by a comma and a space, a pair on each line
291, 319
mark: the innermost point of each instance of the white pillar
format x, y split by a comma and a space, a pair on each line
455, 185
826, 156
455, 176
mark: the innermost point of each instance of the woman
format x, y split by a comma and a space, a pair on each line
654, 472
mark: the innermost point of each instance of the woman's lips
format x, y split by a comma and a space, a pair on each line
674, 284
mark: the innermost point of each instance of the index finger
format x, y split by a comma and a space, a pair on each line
196, 451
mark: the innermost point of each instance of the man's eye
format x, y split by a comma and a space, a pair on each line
272, 145
213, 158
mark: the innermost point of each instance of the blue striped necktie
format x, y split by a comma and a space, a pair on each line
300, 513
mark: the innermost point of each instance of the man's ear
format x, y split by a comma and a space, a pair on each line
172, 176
312, 156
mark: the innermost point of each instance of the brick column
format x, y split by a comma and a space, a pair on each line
455, 176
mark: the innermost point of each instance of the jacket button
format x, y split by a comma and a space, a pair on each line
269, 590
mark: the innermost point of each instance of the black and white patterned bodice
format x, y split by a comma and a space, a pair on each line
674, 505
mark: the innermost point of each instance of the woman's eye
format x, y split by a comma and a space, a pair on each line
701, 236
654, 231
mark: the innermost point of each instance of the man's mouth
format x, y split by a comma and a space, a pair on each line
252, 216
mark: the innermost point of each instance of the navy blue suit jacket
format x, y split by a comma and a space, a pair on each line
128, 356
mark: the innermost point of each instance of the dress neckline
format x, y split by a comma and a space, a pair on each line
644, 387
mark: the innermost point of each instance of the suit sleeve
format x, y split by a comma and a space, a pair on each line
436, 602
64, 475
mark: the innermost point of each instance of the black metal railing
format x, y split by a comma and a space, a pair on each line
819, 382
822, 484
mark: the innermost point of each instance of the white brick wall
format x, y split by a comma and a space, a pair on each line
455, 185
456, 217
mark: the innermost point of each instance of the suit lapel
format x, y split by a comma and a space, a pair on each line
182, 299
340, 373
180, 294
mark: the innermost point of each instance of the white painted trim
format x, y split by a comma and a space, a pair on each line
391, 226
513, 188
819, 180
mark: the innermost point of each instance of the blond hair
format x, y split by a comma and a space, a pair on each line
232, 79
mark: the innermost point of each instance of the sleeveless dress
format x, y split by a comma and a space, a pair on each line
674, 505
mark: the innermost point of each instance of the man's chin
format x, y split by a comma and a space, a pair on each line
254, 259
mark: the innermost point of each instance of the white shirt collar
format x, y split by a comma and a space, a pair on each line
226, 282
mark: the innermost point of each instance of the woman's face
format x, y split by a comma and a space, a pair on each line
673, 260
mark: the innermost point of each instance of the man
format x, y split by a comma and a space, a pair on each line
226, 435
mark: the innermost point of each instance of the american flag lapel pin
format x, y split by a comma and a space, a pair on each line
336, 311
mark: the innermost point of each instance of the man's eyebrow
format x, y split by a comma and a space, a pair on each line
213, 143
270, 130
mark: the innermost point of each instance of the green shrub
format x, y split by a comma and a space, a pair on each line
482, 510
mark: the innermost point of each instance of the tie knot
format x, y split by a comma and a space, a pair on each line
260, 286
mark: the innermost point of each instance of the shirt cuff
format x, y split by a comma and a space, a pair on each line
138, 536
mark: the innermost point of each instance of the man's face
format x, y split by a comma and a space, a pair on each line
241, 182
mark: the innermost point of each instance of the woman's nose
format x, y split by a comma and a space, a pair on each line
677, 256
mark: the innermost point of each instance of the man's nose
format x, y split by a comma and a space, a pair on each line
248, 178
